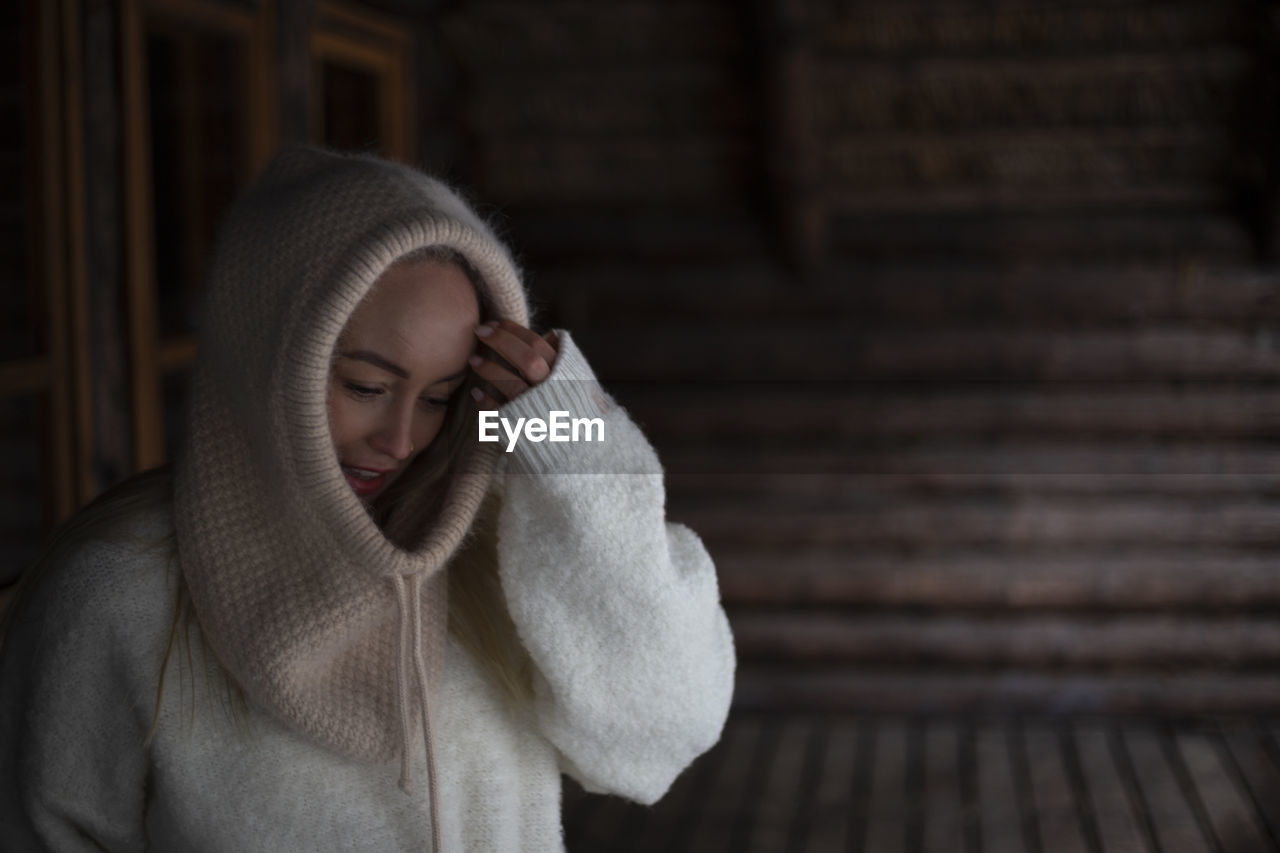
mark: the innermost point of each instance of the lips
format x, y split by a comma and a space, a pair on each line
365, 482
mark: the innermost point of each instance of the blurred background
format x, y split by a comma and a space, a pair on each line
956, 325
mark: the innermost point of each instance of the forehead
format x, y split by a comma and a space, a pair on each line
422, 311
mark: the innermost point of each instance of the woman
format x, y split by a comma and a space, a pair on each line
344, 623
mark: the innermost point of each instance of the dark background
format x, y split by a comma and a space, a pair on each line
955, 323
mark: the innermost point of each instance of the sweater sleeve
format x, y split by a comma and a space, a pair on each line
618, 608
73, 716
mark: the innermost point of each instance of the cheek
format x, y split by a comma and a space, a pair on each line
426, 430
345, 423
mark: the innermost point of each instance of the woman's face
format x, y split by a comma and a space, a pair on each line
401, 356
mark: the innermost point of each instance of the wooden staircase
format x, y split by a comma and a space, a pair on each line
940, 488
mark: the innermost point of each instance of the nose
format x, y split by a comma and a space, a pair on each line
394, 436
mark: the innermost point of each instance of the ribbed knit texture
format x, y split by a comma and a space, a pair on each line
616, 606
294, 585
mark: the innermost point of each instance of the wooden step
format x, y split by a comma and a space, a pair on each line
1035, 523
769, 351
910, 294
1026, 169
830, 412
689, 487
502, 35
1011, 691
1038, 642
1023, 499
1036, 31
567, 234
1144, 91
576, 236
695, 469
1110, 235
1067, 579
682, 168
666, 98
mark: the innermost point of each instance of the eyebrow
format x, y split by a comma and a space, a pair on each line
391, 367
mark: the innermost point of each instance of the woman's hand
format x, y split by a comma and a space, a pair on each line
510, 361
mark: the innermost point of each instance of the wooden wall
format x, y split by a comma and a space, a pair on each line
877, 129
127, 127
955, 323
948, 320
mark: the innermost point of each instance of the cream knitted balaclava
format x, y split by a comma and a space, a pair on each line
322, 621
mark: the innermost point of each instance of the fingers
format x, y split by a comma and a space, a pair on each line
523, 349
512, 359
498, 384
484, 401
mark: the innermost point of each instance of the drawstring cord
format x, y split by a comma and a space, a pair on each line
409, 594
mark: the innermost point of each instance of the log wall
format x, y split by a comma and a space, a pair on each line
885, 129
937, 488
947, 318
944, 317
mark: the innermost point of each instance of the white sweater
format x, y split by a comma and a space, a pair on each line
618, 609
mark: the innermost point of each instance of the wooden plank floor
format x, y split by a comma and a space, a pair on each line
808, 783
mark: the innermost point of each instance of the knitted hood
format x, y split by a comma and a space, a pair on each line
321, 619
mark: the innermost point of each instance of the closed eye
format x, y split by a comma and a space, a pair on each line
365, 391
437, 401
